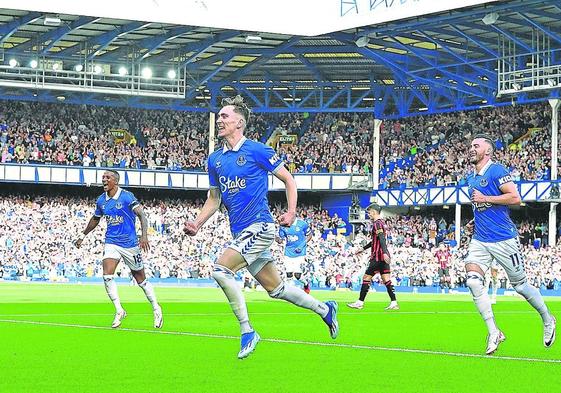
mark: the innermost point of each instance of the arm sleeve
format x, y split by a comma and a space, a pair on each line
212, 175
307, 229
98, 212
267, 159
367, 245
132, 201
501, 176
379, 231
382, 239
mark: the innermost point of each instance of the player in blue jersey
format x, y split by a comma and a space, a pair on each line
296, 237
120, 208
238, 178
496, 238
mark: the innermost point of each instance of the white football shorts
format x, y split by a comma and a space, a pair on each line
293, 264
254, 245
131, 256
506, 253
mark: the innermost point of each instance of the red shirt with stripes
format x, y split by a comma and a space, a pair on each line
443, 258
378, 229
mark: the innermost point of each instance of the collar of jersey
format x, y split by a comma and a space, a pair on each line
116, 196
238, 146
484, 169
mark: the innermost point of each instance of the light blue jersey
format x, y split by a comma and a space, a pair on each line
492, 222
295, 236
120, 217
241, 174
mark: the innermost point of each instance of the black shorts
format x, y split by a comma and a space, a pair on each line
443, 272
377, 267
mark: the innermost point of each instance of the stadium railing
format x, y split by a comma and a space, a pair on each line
195, 180
530, 191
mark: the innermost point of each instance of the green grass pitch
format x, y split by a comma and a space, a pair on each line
56, 338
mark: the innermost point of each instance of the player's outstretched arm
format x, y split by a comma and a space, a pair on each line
143, 243
90, 227
212, 204
291, 196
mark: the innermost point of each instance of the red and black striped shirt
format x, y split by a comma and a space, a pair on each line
443, 258
378, 229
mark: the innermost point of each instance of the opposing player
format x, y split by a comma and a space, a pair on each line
443, 256
120, 208
238, 178
496, 237
379, 260
295, 238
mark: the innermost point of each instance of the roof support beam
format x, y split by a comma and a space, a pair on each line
459, 57
56, 35
193, 49
474, 40
10, 28
98, 43
264, 58
151, 44
542, 28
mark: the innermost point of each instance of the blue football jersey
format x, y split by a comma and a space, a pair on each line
118, 212
295, 236
492, 222
241, 175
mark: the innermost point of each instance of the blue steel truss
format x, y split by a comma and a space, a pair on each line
147, 46
48, 40
192, 50
99, 44
10, 28
530, 191
432, 64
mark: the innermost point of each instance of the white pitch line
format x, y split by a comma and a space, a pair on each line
353, 313
297, 342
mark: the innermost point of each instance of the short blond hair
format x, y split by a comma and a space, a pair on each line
240, 107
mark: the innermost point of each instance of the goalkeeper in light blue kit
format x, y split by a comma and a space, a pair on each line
238, 178
496, 238
296, 237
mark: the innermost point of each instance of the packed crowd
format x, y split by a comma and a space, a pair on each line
339, 142
415, 151
414, 260
432, 150
45, 133
37, 234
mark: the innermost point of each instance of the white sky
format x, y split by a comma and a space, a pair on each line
293, 17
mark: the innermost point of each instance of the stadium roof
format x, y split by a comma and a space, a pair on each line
444, 61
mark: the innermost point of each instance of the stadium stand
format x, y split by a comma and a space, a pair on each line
59, 134
36, 235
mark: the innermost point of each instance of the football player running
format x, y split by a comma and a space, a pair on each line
496, 238
238, 178
120, 208
295, 238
